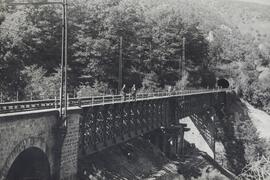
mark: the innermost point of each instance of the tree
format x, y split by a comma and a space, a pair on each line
39, 85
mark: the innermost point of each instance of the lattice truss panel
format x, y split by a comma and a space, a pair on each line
111, 124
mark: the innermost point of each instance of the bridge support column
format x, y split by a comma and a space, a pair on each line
181, 140
70, 147
175, 139
170, 140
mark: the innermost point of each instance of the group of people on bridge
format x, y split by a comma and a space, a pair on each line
124, 92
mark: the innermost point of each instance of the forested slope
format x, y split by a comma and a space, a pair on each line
152, 32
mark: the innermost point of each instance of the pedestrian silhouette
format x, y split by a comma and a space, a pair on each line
133, 92
123, 92
169, 90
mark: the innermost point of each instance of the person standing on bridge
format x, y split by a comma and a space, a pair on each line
169, 90
133, 92
123, 92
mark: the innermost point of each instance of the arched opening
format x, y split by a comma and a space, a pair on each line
223, 83
31, 164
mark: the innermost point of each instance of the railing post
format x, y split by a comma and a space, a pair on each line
92, 100
103, 99
55, 101
1, 97
79, 102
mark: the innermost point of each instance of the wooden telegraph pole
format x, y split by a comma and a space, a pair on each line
120, 70
63, 88
180, 64
183, 57
65, 57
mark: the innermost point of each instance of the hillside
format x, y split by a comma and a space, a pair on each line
250, 17
264, 2
260, 119
242, 135
239, 39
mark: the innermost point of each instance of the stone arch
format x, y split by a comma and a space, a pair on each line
30, 145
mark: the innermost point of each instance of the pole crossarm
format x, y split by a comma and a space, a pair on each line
34, 3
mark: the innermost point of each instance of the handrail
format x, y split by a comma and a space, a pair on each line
18, 106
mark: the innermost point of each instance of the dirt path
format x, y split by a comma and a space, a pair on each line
260, 119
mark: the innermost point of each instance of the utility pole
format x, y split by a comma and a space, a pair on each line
120, 70
65, 58
180, 64
183, 56
150, 49
63, 89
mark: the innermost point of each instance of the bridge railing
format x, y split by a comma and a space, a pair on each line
18, 106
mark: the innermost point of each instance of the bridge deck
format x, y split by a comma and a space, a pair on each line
20, 106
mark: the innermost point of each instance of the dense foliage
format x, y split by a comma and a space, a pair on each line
152, 33
152, 46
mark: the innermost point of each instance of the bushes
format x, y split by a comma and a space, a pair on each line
97, 89
257, 170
